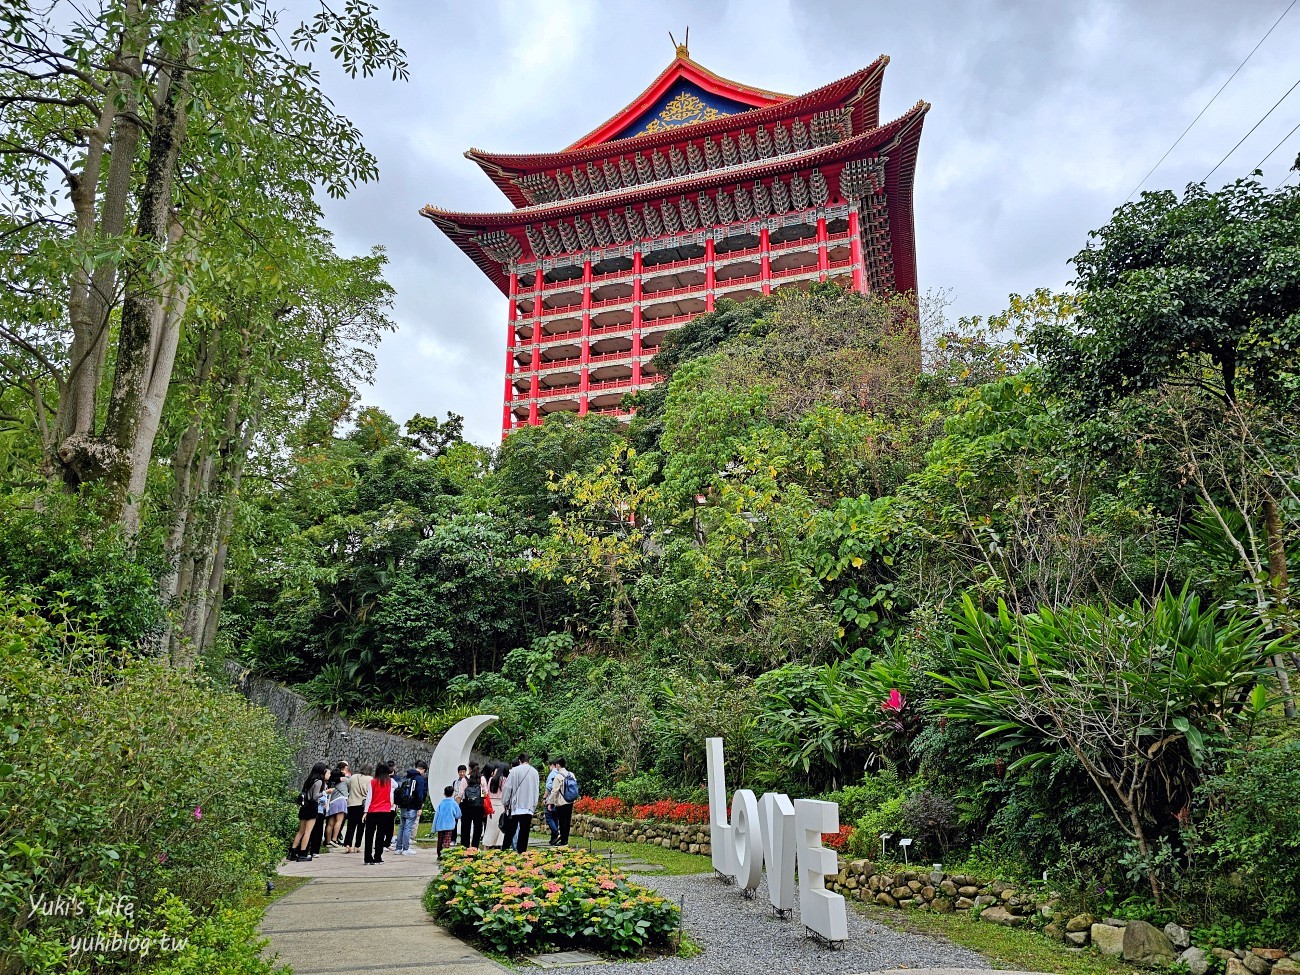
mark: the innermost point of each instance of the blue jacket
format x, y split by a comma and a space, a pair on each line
447, 814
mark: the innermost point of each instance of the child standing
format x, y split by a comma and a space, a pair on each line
445, 818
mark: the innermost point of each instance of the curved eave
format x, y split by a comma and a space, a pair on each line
862, 86
903, 132
900, 177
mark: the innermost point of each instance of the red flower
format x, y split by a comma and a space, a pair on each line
837, 841
895, 702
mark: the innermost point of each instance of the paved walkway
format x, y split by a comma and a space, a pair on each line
352, 918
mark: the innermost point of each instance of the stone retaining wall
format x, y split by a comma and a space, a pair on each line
316, 736
687, 837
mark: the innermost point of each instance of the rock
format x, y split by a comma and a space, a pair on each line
1000, 915
1054, 931
949, 888
1079, 938
1196, 960
1146, 944
900, 892
1048, 910
936, 877
1223, 954
969, 890
1255, 964
985, 900
1080, 922
1268, 954
927, 893
914, 885
1178, 935
1008, 895
964, 903
1114, 922
886, 900
1107, 939
1286, 966
944, 906
1235, 967
996, 888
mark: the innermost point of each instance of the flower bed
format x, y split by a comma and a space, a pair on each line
548, 897
663, 811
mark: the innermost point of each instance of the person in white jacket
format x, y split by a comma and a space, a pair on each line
519, 799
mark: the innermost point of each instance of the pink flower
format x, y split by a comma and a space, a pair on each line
162, 857
198, 812
895, 702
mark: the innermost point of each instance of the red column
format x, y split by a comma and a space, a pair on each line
636, 318
823, 257
709, 277
636, 360
765, 275
507, 418
855, 248
583, 381
535, 390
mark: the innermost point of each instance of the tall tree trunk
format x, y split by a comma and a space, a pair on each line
1277, 573
143, 315
168, 315
92, 295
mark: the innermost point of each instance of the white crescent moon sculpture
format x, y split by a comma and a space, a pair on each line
453, 750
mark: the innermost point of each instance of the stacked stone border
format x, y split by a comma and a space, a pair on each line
1136, 942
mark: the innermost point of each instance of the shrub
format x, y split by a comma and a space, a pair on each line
1252, 835
642, 788
930, 819
72, 567
150, 785
513, 900
857, 801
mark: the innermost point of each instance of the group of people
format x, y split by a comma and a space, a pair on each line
358, 811
489, 807
494, 806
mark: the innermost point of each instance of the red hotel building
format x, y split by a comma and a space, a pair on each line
700, 189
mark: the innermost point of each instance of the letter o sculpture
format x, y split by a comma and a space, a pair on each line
747, 840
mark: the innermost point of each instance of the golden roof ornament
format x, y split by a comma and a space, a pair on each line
683, 49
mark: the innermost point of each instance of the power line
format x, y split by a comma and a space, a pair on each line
1260, 164
1252, 129
1210, 102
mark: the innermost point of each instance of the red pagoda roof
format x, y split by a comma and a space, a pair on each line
682, 71
860, 90
902, 136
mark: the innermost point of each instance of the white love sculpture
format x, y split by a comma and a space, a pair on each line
771, 832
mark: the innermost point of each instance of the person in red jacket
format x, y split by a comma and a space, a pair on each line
377, 814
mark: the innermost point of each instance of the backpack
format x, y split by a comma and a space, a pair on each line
570, 788
473, 795
408, 794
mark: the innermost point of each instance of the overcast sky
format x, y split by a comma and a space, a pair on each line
1045, 116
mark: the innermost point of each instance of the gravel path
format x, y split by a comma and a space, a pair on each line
740, 937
